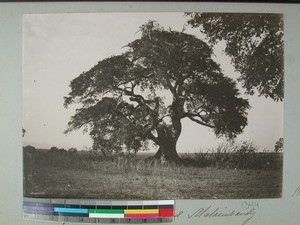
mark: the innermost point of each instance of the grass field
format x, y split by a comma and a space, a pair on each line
63, 174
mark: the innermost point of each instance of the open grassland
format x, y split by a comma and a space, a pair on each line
65, 174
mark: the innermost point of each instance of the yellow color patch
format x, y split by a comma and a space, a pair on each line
141, 211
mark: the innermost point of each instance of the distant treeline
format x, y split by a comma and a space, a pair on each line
243, 156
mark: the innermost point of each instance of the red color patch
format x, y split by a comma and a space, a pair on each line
166, 212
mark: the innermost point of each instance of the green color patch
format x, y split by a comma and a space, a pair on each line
107, 211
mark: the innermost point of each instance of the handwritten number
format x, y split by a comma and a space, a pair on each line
248, 205
245, 205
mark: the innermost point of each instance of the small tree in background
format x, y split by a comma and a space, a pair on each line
279, 145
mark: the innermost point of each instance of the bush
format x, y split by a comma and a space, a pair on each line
244, 155
231, 156
29, 149
73, 150
279, 145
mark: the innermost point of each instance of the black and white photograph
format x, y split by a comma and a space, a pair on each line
185, 105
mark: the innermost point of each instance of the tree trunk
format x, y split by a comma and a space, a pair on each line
167, 152
168, 134
167, 145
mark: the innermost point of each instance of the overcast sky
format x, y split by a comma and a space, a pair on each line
58, 47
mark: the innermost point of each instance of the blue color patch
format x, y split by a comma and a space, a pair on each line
71, 210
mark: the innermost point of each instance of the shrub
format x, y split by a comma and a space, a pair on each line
29, 149
279, 145
245, 155
73, 150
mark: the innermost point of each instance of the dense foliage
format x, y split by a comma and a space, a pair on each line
142, 96
255, 44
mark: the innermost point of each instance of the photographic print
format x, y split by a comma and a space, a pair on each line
153, 105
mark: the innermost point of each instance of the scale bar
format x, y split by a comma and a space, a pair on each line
97, 211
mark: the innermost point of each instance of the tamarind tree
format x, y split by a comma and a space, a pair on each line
141, 96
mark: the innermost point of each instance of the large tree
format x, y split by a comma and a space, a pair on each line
142, 96
255, 44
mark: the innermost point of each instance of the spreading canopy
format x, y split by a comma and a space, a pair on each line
142, 95
255, 44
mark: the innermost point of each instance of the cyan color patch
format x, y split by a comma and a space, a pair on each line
71, 210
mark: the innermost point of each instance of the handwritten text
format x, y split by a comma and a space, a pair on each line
211, 212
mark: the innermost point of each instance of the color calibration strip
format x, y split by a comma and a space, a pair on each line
95, 211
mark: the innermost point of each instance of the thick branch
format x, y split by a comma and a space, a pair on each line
144, 102
170, 86
153, 138
192, 116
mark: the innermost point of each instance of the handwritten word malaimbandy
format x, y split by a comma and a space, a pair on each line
210, 212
